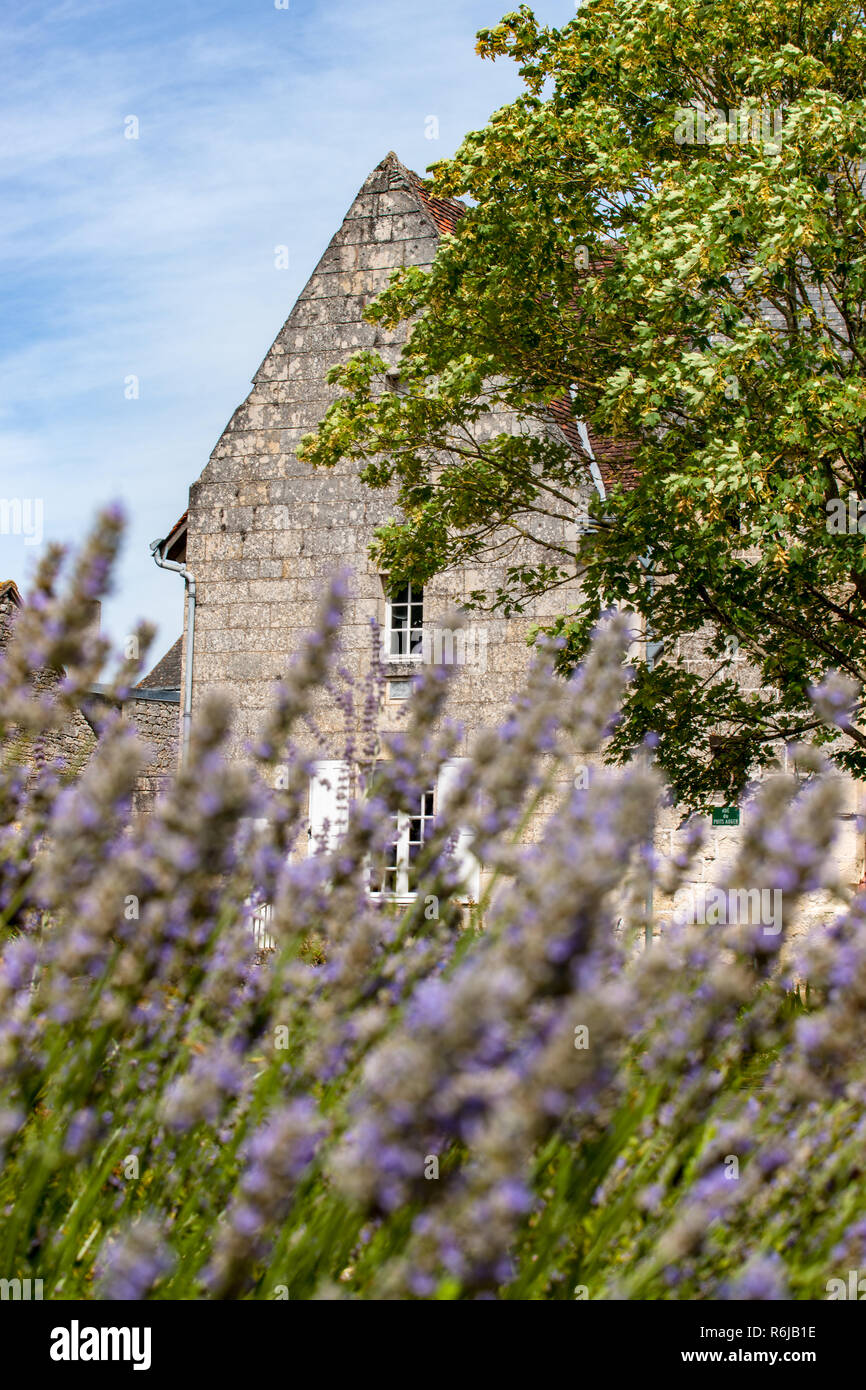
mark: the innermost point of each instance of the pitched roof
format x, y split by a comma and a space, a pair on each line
9, 592
166, 673
614, 457
174, 546
445, 212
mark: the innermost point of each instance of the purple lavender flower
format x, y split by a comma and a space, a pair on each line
763, 1279
131, 1265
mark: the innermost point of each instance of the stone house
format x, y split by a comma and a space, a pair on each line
73, 741
153, 706
264, 530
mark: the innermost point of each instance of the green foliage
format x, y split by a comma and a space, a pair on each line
703, 300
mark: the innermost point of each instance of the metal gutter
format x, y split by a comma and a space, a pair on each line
158, 554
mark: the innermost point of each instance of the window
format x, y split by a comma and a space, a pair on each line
409, 831
394, 382
330, 791
405, 622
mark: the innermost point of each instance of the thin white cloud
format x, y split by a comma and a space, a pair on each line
155, 257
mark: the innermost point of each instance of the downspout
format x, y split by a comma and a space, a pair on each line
189, 581
595, 473
647, 563
594, 470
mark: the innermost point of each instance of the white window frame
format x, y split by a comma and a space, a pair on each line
330, 787
468, 867
400, 680
401, 893
261, 915
409, 627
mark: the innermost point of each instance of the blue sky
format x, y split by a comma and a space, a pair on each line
154, 257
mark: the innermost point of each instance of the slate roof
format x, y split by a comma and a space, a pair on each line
166, 673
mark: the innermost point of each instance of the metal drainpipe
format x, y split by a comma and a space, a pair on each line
189, 580
595, 472
650, 663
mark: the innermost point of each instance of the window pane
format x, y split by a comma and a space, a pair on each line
406, 620
407, 837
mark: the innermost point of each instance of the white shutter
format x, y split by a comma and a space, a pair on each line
467, 865
401, 883
261, 915
329, 802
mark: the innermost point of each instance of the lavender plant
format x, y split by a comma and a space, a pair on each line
526, 1107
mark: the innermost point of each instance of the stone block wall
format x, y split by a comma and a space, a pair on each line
157, 723
266, 531
73, 741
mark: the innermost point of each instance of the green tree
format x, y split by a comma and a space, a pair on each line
665, 231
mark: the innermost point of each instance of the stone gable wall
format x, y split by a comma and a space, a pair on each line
266, 531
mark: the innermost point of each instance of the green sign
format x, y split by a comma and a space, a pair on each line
726, 815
